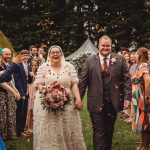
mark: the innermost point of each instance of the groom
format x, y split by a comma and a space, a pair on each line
109, 91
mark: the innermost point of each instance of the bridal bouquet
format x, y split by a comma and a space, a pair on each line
55, 97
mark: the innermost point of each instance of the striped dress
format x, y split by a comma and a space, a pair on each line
139, 109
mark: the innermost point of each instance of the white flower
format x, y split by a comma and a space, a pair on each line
113, 60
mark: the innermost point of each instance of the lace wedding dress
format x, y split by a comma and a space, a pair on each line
60, 131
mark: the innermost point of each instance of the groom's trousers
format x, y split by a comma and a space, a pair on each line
103, 127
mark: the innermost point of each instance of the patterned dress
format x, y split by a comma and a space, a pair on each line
7, 113
139, 109
60, 131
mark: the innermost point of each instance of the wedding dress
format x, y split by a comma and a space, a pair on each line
60, 131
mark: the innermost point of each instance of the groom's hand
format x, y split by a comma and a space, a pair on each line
78, 105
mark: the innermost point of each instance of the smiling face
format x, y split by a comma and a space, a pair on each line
25, 58
34, 65
55, 55
105, 46
6, 55
34, 51
127, 57
133, 58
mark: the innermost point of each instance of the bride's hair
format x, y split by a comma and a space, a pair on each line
55, 46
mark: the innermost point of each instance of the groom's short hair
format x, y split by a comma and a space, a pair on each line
105, 37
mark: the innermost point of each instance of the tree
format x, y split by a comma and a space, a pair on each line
68, 23
4, 42
122, 20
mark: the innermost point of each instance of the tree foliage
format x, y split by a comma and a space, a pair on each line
4, 42
69, 22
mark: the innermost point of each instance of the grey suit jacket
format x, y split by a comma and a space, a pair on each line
120, 82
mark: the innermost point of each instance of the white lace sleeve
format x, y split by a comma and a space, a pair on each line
40, 77
73, 73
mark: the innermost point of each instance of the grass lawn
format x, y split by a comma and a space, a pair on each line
124, 138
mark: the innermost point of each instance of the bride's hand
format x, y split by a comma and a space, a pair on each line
40, 87
78, 105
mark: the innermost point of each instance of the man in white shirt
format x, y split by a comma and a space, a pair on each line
22, 78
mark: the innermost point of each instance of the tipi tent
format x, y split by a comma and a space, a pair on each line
87, 46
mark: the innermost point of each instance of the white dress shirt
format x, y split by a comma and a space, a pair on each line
26, 68
102, 59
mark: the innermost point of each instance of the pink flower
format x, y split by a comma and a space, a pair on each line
56, 97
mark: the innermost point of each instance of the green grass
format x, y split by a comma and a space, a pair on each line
124, 138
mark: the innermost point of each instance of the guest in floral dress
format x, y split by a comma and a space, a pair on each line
140, 80
8, 94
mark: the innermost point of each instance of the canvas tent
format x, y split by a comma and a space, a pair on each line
87, 46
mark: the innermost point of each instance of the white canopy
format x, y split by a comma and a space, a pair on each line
87, 46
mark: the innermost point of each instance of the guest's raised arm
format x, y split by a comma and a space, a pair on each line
6, 76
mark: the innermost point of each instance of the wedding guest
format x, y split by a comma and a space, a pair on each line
6, 76
31, 89
33, 53
22, 78
107, 78
140, 81
149, 56
124, 50
41, 54
127, 59
8, 94
60, 130
133, 60
127, 112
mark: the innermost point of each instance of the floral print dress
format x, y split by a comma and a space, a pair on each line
7, 113
139, 109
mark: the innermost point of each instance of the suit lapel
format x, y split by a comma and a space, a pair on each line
98, 68
23, 70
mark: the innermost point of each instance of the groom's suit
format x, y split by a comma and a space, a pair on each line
106, 94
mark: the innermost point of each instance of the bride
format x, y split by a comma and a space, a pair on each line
59, 131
